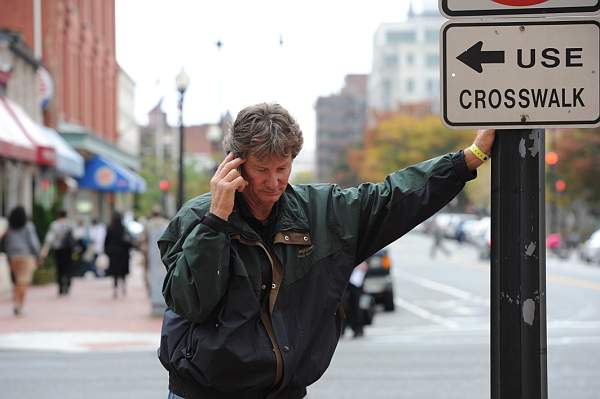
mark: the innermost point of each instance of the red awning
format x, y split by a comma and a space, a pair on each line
14, 144
45, 153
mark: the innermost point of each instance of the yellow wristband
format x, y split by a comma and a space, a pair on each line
482, 156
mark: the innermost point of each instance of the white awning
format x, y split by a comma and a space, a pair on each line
68, 161
13, 142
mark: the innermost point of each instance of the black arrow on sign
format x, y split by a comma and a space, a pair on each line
475, 56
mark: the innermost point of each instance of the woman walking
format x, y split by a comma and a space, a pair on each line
117, 244
22, 248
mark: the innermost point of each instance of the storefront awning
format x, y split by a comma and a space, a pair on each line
45, 151
102, 174
14, 144
86, 141
68, 161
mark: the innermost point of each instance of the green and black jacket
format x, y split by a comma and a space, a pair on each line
219, 341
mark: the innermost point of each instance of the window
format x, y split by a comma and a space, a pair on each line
410, 86
432, 86
410, 59
398, 36
432, 60
387, 94
431, 36
390, 60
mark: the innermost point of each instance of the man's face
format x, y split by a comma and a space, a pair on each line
267, 179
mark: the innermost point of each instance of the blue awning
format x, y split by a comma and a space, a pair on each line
102, 174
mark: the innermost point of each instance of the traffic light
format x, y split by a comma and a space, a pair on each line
560, 185
164, 185
551, 158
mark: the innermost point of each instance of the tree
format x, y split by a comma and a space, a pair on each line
153, 172
399, 140
579, 163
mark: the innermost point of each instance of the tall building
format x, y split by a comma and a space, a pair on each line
406, 62
341, 122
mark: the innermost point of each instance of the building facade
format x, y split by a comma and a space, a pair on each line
341, 120
75, 41
128, 131
159, 140
406, 63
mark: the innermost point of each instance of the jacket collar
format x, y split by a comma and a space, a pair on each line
290, 215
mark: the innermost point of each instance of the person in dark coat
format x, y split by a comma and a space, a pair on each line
117, 244
257, 268
59, 239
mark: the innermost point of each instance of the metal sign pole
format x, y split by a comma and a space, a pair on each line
518, 266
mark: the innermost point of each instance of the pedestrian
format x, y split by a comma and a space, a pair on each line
257, 268
154, 270
22, 247
60, 240
354, 313
97, 237
117, 244
438, 238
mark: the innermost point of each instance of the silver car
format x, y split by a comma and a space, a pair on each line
590, 249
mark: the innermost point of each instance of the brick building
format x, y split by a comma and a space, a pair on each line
76, 41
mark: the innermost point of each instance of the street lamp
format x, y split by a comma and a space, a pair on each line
182, 81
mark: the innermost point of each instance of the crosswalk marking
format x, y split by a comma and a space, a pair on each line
79, 341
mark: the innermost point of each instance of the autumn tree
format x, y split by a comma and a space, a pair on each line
579, 163
398, 141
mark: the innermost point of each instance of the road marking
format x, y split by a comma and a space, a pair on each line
79, 341
446, 289
550, 277
425, 314
573, 281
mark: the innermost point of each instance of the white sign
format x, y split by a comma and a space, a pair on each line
521, 74
472, 8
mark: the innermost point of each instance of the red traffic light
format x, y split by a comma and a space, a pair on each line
560, 185
164, 185
551, 158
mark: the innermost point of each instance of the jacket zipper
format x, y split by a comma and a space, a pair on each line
266, 317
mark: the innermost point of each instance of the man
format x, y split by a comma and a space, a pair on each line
97, 237
60, 240
354, 313
154, 271
257, 268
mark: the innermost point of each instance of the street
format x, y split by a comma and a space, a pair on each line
435, 345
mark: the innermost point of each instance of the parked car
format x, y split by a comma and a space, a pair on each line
378, 282
452, 224
590, 249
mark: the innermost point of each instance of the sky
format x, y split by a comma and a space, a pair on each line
285, 51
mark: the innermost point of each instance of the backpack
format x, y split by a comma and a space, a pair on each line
68, 241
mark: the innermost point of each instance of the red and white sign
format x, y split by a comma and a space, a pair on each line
105, 176
470, 8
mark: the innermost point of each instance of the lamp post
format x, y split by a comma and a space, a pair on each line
182, 82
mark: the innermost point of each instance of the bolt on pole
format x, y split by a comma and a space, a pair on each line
518, 267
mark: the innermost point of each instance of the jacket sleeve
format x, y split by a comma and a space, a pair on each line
195, 250
371, 216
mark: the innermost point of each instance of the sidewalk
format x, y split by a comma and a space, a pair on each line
88, 319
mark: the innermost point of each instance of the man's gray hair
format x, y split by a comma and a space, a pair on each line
263, 130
